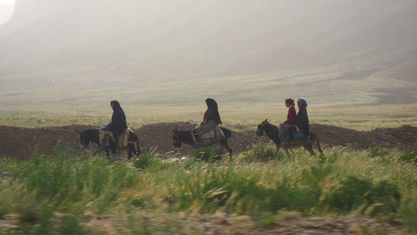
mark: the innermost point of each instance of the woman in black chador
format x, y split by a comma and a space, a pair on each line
211, 117
118, 123
302, 118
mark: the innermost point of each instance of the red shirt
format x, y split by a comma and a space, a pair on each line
292, 114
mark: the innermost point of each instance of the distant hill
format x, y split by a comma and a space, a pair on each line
60, 52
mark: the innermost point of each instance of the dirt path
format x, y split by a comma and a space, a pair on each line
225, 224
22, 142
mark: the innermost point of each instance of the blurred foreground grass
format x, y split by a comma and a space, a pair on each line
79, 193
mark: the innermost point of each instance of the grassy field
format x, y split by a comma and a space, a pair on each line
361, 117
71, 192
66, 192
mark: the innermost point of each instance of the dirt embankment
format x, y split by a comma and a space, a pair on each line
22, 142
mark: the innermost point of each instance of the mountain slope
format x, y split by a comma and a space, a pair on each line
101, 47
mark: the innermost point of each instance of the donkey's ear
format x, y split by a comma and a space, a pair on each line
266, 120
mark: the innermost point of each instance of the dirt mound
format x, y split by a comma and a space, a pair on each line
21, 142
402, 138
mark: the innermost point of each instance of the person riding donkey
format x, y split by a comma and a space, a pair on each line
302, 122
118, 124
288, 126
211, 120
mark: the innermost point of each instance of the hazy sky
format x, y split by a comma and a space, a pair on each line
57, 52
6, 10
7, 1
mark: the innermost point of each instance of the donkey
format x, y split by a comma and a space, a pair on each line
93, 136
273, 133
187, 137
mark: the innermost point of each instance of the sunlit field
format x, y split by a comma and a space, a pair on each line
360, 117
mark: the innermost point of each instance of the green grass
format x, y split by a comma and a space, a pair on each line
344, 182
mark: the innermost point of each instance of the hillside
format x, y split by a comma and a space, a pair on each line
154, 52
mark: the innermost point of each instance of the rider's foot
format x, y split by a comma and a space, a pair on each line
287, 144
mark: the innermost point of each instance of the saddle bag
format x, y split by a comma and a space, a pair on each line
210, 137
124, 138
105, 137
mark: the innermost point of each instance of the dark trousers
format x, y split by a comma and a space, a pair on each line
287, 132
116, 134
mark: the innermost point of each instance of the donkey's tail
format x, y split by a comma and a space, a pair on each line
316, 138
137, 147
227, 132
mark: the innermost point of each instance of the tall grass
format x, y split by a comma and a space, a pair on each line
69, 183
381, 184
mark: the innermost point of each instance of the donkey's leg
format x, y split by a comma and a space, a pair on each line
287, 152
309, 148
133, 148
230, 150
130, 151
138, 152
277, 147
108, 154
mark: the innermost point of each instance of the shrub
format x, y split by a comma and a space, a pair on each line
142, 202
350, 195
316, 174
410, 157
29, 211
45, 225
408, 214
143, 161
149, 161
122, 176
260, 153
69, 225
291, 197
3, 211
65, 181
211, 189
377, 151
382, 198
209, 154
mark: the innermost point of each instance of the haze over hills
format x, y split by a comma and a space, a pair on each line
155, 52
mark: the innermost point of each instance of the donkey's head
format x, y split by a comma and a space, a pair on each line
85, 138
260, 130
